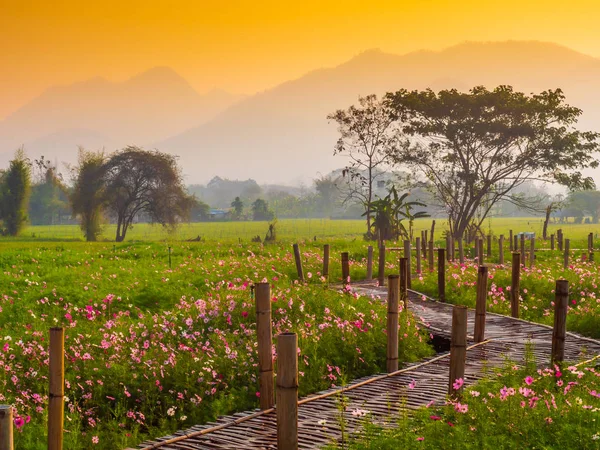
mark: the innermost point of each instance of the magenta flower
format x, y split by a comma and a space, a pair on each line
528, 381
458, 383
19, 422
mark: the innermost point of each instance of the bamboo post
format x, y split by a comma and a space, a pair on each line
430, 256
326, 260
458, 347
418, 255
480, 304
461, 251
567, 245
514, 284
501, 249
57, 389
523, 256
6, 427
441, 275
264, 334
510, 240
407, 255
287, 391
552, 241
298, 262
489, 245
480, 256
392, 322
370, 262
345, 268
404, 282
381, 268
531, 252
559, 332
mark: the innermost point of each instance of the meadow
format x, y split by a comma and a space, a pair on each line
153, 346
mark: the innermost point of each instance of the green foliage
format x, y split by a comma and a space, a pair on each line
260, 210
16, 189
238, 207
49, 202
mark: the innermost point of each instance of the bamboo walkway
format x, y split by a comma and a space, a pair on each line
384, 396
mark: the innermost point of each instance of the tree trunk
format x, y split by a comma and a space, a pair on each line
545, 230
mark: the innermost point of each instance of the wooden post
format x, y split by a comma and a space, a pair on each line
326, 260
370, 262
298, 262
392, 322
560, 239
458, 347
407, 254
381, 268
523, 258
418, 254
489, 245
430, 256
561, 301
480, 256
287, 391
531, 252
514, 284
264, 335
57, 389
404, 282
6, 427
169, 257
567, 246
510, 238
516, 244
441, 275
501, 249
480, 304
590, 242
461, 251
425, 241
345, 268
552, 241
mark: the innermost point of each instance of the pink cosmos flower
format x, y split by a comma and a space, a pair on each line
458, 383
19, 422
528, 381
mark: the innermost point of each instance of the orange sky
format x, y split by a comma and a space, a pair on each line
247, 46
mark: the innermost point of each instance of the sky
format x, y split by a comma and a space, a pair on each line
249, 46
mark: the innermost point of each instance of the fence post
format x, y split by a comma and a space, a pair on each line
531, 252
560, 239
169, 257
510, 238
461, 250
6, 427
392, 322
590, 242
441, 275
370, 262
298, 262
430, 256
265, 344
404, 282
425, 241
345, 268
407, 255
561, 301
458, 346
480, 304
287, 391
418, 254
567, 246
381, 268
326, 260
523, 255
57, 389
501, 249
552, 241
514, 284
516, 244
489, 245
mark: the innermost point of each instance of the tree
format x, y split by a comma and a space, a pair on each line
260, 210
87, 198
586, 203
238, 207
369, 133
49, 200
199, 210
144, 182
16, 189
475, 148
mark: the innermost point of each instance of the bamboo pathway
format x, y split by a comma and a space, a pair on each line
384, 396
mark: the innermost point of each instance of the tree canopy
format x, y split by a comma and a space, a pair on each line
476, 147
16, 189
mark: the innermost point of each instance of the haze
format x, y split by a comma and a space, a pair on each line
268, 112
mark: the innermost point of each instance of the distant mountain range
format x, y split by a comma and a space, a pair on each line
281, 134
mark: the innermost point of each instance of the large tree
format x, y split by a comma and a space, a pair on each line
16, 189
87, 196
139, 182
368, 133
476, 147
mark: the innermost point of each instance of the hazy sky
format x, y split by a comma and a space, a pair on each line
248, 46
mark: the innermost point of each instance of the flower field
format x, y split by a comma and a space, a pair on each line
151, 349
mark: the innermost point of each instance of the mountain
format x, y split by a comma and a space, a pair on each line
282, 134
94, 113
